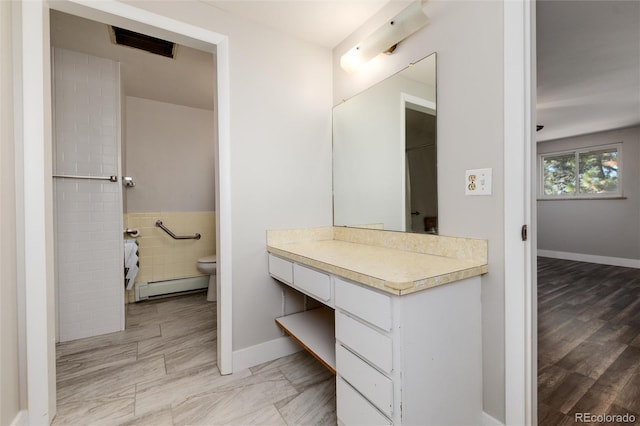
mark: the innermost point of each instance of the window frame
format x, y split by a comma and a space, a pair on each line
577, 195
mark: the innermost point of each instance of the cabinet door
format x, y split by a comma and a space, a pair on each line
312, 282
369, 343
371, 383
281, 269
364, 303
354, 409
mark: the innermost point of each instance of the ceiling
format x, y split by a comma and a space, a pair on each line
588, 56
186, 80
322, 22
588, 53
588, 66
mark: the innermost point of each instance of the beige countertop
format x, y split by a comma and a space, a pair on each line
392, 269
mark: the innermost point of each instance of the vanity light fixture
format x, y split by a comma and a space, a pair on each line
385, 38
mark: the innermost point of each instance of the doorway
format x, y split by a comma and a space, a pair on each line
422, 175
120, 110
37, 130
586, 200
419, 139
124, 111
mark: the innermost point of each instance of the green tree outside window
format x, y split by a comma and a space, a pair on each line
598, 172
588, 172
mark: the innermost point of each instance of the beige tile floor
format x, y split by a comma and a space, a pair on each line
162, 371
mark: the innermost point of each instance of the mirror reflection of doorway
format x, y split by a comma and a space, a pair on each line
421, 170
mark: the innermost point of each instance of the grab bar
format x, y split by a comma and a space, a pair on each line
109, 178
174, 236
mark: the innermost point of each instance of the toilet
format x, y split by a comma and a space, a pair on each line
207, 265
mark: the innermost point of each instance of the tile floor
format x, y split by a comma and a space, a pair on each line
162, 371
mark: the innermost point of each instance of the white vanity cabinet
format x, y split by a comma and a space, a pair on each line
413, 359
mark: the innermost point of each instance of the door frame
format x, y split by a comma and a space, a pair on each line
519, 280
428, 107
34, 105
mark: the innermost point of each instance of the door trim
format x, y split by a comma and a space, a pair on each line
519, 280
35, 74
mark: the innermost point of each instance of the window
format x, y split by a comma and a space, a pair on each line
583, 173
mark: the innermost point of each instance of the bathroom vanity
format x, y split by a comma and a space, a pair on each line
401, 321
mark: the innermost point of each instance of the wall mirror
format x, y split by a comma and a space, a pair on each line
385, 154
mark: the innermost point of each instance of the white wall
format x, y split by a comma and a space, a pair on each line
9, 367
608, 228
170, 155
280, 152
468, 37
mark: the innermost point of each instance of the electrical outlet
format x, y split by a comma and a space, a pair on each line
477, 182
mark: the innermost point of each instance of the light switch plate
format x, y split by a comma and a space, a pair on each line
477, 182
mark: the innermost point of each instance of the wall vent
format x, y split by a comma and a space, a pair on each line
144, 42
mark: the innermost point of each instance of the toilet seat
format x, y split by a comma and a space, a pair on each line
208, 259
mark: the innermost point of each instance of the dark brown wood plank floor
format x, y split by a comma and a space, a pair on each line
588, 342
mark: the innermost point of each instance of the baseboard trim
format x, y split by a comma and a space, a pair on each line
489, 420
148, 290
579, 257
20, 419
263, 352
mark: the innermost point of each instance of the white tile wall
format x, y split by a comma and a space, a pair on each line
88, 214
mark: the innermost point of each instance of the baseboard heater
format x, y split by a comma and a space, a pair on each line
154, 289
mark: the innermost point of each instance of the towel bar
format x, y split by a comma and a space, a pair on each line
174, 236
109, 178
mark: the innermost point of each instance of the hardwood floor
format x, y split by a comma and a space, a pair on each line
588, 341
162, 371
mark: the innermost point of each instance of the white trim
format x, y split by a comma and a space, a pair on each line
18, 109
38, 215
154, 289
203, 39
38, 208
519, 102
149, 22
264, 352
591, 258
428, 107
224, 289
21, 419
489, 420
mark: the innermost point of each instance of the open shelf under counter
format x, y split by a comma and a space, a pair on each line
315, 331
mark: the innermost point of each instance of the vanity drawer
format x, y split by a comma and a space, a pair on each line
354, 409
365, 341
364, 303
371, 383
281, 269
315, 283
